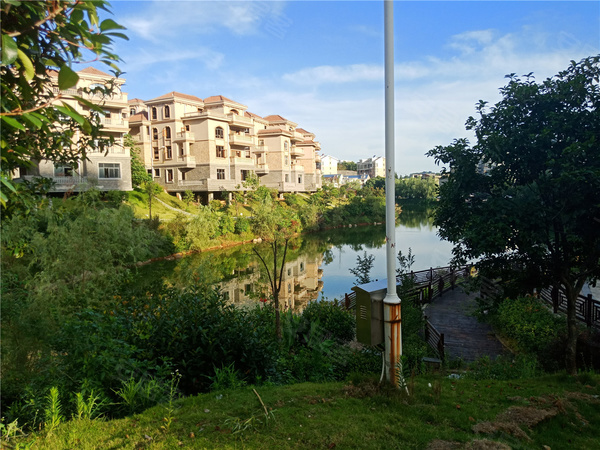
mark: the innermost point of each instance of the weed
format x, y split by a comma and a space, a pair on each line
87, 409
168, 419
139, 395
227, 377
53, 410
12, 431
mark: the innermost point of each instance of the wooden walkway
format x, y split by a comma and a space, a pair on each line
464, 336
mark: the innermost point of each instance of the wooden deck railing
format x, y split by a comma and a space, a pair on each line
587, 307
428, 285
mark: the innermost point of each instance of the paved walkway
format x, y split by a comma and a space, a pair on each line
464, 336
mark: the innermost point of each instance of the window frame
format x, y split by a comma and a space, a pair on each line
220, 174
103, 168
219, 133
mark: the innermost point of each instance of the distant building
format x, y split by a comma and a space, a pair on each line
211, 146
329, 165
426, 175
106, 169
374, 167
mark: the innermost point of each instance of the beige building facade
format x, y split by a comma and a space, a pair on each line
106, 169
210, 146
373, 167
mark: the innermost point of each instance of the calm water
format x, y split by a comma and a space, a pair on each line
317, 265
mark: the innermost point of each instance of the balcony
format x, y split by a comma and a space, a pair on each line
297, 151
297, 137
240, 139
63, 183
261, 149
184, 162
239, 121
185, 136
262, 169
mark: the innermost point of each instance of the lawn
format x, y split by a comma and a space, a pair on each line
557, 411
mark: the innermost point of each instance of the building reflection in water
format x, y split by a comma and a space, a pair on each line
301, 284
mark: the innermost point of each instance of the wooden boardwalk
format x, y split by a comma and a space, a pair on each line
464, 336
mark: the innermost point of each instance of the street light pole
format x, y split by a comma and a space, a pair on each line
391, 303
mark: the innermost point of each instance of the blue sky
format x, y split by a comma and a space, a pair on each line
320, 64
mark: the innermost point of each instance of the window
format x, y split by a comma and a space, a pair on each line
220, 174
287, 178
148, 130
248, 154
285, 145
220, 151
168, 132
289, 288
286, 160
299, 178
157, 172
154, 113
261, 142
187, 128
167, 112
169, 152
238, 153
155, 133
169, 175
132, 111
182, 149
219, 133
156, 154
63, 170
183, 177
301, 267
245, 174
289, 272
109, 170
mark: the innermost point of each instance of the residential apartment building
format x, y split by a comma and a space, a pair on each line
210, 146
106, 169
329, 165
374, 167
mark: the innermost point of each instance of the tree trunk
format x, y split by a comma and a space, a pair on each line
572, 332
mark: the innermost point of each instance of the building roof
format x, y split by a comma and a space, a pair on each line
139, 116
93, 71
135, 100
254, 116
303, 131
276, 118
275, 130
218, 98
175, 94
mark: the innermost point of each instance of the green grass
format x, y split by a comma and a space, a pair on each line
139, 202
360, 415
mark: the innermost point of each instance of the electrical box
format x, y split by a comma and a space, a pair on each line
369, 312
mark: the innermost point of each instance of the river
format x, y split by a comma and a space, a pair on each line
317, 267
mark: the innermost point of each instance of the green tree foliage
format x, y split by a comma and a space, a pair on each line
139, 174
37, 37
275, 225
416, 188
151, 188
536, 210
346, 165
362, 271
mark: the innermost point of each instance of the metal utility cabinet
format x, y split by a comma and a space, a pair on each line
369, 312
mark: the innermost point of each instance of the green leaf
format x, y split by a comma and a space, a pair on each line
9, 50
27, 65
67, 78
119, 35
92, 106
11, 121
32, 120
109, 24
71, 113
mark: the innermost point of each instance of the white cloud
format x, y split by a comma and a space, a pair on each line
161, 19
335, 74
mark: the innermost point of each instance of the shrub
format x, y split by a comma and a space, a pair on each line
334, 322
527, 320
242, 225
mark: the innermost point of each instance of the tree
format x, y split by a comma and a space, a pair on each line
524, 199
152, 189
275, 225
362, 271
346, 165
139, 174
43, 36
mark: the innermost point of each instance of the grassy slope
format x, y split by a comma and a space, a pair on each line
325, 415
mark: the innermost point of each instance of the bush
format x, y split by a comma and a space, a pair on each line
527, 320
242, 225
334, 322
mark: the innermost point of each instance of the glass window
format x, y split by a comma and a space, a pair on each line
169, 152
156, 153
157, 172
109, 170
63, 170
167, 112
220, 174
154, 113
169, 175
220, 151
168, 132
219, 133
155, 133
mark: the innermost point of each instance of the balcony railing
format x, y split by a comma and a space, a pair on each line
185, 136
240, 139
239, 121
